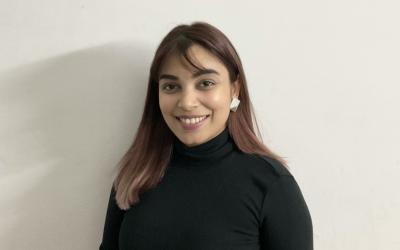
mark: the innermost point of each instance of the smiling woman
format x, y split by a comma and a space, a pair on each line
190, 99
196, 175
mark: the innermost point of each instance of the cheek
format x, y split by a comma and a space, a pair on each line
217, 101
165, 104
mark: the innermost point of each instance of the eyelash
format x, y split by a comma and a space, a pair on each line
168, 84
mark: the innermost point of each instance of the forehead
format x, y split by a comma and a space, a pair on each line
177, 64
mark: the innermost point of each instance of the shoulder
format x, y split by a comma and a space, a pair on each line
262, 165
272, 164
258, 172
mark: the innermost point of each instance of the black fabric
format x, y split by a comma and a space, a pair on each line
214, 197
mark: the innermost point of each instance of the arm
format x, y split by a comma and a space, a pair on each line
286, 221
112, 224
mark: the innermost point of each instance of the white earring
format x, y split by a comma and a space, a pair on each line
234, 104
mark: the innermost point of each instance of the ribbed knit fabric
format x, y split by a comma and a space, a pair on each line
214, 197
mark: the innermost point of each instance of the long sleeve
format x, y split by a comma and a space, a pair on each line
286, 221
112, 224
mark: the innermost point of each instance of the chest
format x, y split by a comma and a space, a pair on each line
198, 211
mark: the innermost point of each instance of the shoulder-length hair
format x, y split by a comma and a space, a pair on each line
144, 163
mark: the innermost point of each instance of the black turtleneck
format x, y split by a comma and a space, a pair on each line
214, 197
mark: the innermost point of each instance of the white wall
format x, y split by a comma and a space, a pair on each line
323, 75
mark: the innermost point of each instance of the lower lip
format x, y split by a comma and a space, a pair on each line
191, 127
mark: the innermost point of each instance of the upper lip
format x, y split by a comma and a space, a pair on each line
190, 116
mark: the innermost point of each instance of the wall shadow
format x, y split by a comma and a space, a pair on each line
65, 123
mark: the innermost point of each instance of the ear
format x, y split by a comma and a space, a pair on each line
235, 89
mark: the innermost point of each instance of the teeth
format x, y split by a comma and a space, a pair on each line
192, 120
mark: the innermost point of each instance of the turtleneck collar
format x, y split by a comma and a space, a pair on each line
210, 151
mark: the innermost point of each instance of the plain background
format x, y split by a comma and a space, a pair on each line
323, 77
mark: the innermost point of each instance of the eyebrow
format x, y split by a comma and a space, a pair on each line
195, 74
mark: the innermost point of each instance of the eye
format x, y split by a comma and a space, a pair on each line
165, 86
169, 87
210, 83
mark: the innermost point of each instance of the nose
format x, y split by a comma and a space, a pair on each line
188, 99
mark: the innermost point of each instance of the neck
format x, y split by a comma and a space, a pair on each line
210, 151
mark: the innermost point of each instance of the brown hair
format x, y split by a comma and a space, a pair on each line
144, 164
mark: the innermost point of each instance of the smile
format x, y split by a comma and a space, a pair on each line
193, 123
192, 120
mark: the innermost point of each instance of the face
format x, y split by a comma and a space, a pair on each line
186, 91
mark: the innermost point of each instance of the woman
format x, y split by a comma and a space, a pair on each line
196, 176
